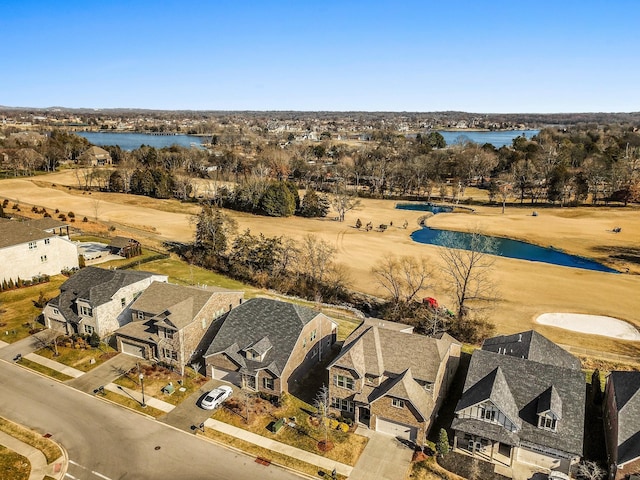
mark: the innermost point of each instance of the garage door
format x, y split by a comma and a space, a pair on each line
396, 429
131, 349
226, 376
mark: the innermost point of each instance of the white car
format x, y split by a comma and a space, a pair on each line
215, 397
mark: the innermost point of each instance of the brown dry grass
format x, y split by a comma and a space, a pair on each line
50, 450
527, 289
13, 465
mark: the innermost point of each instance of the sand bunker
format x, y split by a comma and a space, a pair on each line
592, 324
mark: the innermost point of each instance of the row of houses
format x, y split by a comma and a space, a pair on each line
523, 399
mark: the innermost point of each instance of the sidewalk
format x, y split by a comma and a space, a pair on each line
250, 437
39, 467
279, 447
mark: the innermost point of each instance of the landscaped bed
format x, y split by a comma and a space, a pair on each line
13, 465
306, 434
157, 377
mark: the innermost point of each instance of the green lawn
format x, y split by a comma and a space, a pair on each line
49, 372
347, 447
18, 312
79, 358
182, 273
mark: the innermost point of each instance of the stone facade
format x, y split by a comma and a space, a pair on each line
47, 256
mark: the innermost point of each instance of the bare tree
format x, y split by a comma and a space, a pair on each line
590, 470
343, 202
466, 268
402, 278
322, 402
196, 366
96, 208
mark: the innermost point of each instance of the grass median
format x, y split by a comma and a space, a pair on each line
49, 372
50, 450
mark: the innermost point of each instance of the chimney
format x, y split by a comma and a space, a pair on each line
519, 337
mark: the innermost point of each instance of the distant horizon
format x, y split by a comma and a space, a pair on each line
334, 56
97, 109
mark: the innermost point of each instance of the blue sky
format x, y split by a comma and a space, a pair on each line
474, 56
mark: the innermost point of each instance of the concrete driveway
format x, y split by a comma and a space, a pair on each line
384, 458
105, 373
188, 412
28, 345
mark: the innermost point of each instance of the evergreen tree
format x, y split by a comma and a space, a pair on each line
313, 205
442, 446
278, 201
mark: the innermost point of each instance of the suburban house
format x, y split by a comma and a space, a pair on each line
622, 423
95, 156
268, 346
392, 380
50, 225
125, 247
96, 300
28, 251
523, 401
168, 321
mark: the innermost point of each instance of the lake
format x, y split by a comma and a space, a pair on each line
505, 246
496, 138
131, 141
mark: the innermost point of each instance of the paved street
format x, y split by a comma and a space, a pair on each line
106, 442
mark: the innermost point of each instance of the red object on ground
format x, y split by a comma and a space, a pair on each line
432, 302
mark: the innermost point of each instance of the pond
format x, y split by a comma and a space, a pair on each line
505, 247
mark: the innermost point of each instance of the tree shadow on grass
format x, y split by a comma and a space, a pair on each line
628, 254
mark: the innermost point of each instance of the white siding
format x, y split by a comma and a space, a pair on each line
45, 259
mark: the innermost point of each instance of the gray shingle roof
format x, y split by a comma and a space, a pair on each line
45, 223
626, 386
374, 350
550, 401
13, 233
96, 285
527, 381
253, 321
176, 304
533, 346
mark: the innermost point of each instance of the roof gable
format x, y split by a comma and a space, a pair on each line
527, 381
255, 319
626, 387
532, 346
13, 232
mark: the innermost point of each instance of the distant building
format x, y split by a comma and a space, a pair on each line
95, 156
32, 249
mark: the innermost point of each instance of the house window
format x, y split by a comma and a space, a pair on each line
313, 335
140, 315
488, 414
343, 382
123, 302
85, 311
88, 329
55, 311
267, 383
547, 423
167, 333
170, 354
396, 402
32, 245
342, 404
47, 241
43, 258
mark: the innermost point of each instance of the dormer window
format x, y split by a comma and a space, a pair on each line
547, 422
488, 414
85, 311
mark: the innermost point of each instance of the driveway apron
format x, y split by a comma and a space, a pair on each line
188, 413
384, 458
105, 373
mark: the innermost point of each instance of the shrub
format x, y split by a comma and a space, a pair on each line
333, 423
94, 340
71, 215
57, 211
46, 215
343, 427
85, 219
443, 442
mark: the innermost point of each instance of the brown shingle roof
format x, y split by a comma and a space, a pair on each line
13, 233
